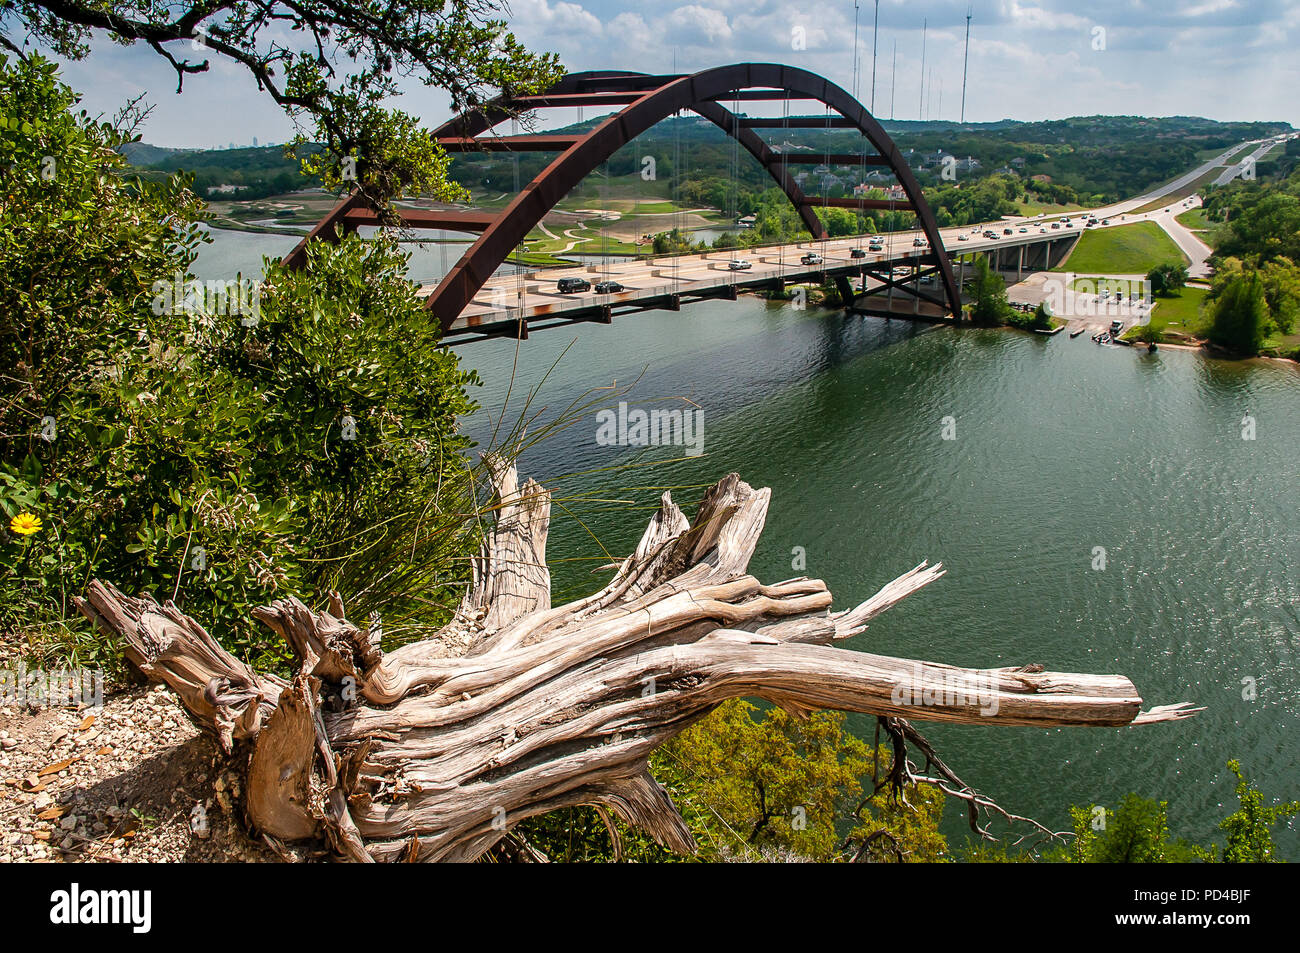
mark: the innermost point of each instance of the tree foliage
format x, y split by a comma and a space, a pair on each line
212, 444
1167, 278
291, 48
1239, 318
989, 293
1137, 832
764, 785
1249, 829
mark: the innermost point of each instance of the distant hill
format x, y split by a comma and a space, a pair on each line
141, 154
1084, 158
249, 173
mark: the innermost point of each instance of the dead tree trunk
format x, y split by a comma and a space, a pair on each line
435, 750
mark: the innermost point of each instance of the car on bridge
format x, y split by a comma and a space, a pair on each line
1056, 225
963, 238
918, 242
608, 287
1006, 231
740, 264
876, 246
857, 253
812, 258
989, 233
570, 285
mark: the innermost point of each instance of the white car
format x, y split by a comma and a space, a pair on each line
963, 238
739, 264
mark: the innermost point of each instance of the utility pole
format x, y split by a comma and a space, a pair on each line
965, 60
855, 49
920, 109
875, 34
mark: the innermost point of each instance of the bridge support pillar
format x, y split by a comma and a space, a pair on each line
844, 285
1020, 265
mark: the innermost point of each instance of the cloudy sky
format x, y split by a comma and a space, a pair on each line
1029, 59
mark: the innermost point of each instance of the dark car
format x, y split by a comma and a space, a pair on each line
857, 253
608, 287
1006, 231
567, 285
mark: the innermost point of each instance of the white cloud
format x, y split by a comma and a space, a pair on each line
698, 26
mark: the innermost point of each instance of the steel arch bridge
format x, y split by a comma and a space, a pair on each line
646, 100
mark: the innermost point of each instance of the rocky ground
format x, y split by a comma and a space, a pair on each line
131, 781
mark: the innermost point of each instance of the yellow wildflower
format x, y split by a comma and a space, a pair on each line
25, 524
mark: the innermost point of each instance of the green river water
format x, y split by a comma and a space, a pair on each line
1061, 446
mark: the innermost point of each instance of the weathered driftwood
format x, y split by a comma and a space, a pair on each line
429, 754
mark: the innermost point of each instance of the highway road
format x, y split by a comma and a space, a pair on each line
1264, 147
534, 295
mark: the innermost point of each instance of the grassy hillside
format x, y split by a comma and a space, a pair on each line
1126, 249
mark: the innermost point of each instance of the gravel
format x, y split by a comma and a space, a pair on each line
131, 781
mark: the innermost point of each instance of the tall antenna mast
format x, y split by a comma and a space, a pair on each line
964, 61
920, 108
875, 33
893, 86
855, 49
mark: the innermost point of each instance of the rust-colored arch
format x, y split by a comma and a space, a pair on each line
646, 100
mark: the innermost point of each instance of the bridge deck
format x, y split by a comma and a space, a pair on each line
664, 281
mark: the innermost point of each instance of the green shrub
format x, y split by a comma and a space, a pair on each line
1167, 278
764, 784
219, 449
1239, 319
989, 291
1249, 829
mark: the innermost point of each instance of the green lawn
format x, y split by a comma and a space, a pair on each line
1282, 345
1125, 249
1240, 154
1033, 209
1194, 218
1179, 314
1098, 285
1181, 192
